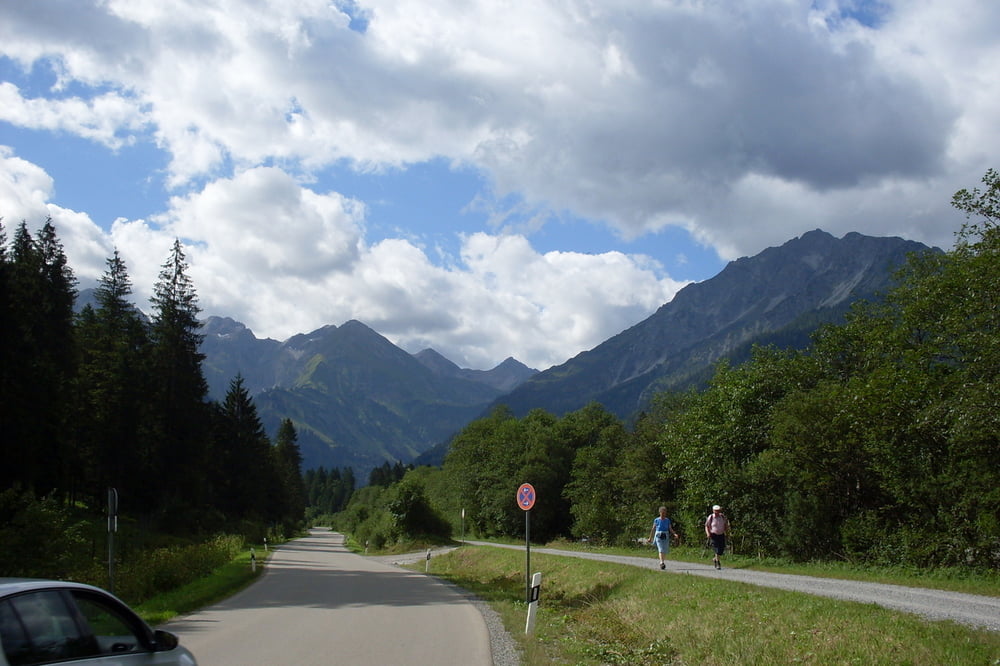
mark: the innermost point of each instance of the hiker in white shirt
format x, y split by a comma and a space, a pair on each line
716, 529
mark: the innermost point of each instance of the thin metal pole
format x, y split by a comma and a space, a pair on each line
527, 553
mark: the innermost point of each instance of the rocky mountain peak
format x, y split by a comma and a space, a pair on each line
778, 296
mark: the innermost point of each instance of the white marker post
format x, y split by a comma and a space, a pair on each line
112, 528
536, 588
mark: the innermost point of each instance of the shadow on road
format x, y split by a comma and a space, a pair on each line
316, 572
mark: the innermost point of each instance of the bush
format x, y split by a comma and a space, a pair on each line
865, 540
413, 516
377, 531
156, 571
39, 537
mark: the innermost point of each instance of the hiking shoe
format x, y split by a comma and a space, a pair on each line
662, 565
718, 565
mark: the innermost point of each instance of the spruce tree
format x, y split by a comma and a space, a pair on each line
59, 295
289, 463
7, 444
243, 473
20, 402
40, 366
175, 446
112, 387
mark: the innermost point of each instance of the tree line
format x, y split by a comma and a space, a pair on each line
877, 443
111, 398
328, 491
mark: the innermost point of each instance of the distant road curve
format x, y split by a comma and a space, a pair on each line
970, 609
319, 604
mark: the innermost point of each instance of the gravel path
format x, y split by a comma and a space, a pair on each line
970, 609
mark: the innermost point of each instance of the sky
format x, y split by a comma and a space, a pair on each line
489, 178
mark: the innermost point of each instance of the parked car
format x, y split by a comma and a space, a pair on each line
49, 621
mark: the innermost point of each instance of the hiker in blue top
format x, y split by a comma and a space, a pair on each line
660, 535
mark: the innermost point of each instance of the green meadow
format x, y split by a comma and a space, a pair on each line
593, 612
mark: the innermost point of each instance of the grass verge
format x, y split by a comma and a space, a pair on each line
600, 613
225, 581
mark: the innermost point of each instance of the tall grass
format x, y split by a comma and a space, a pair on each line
600, 613
223, 582
148, 573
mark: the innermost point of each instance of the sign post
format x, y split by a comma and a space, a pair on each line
112, 528
526, 500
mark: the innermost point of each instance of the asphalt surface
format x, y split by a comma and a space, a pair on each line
969, 609
318, 603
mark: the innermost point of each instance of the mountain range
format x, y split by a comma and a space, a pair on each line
780, 297
358, 400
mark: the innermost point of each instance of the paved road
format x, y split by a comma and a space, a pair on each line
971, 609
318, 603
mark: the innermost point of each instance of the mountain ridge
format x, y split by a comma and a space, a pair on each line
358, 400
810, 279
355, 398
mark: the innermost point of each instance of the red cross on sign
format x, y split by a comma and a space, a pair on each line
526, 496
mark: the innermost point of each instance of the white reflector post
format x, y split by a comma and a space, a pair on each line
536, 588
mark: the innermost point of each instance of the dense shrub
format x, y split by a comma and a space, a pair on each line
152, 572
40, 538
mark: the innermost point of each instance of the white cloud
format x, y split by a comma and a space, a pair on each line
102, 119
262, 221
744, 123
636, 114
25, 190
285, 260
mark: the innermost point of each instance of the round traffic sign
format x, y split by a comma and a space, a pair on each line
526, 496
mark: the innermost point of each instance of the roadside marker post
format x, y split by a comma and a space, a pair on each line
112, 528
536, 588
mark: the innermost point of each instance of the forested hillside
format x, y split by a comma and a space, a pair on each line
357, 400
879, 442
109, 399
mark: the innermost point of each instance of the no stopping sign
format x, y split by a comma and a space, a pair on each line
526, 496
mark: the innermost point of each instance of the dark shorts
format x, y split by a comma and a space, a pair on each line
719, 543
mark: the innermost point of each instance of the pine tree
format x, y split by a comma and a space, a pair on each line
7, 362
176, 443
245, 481
19, 404
289, 463
112, 386
59, 295
40, 364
